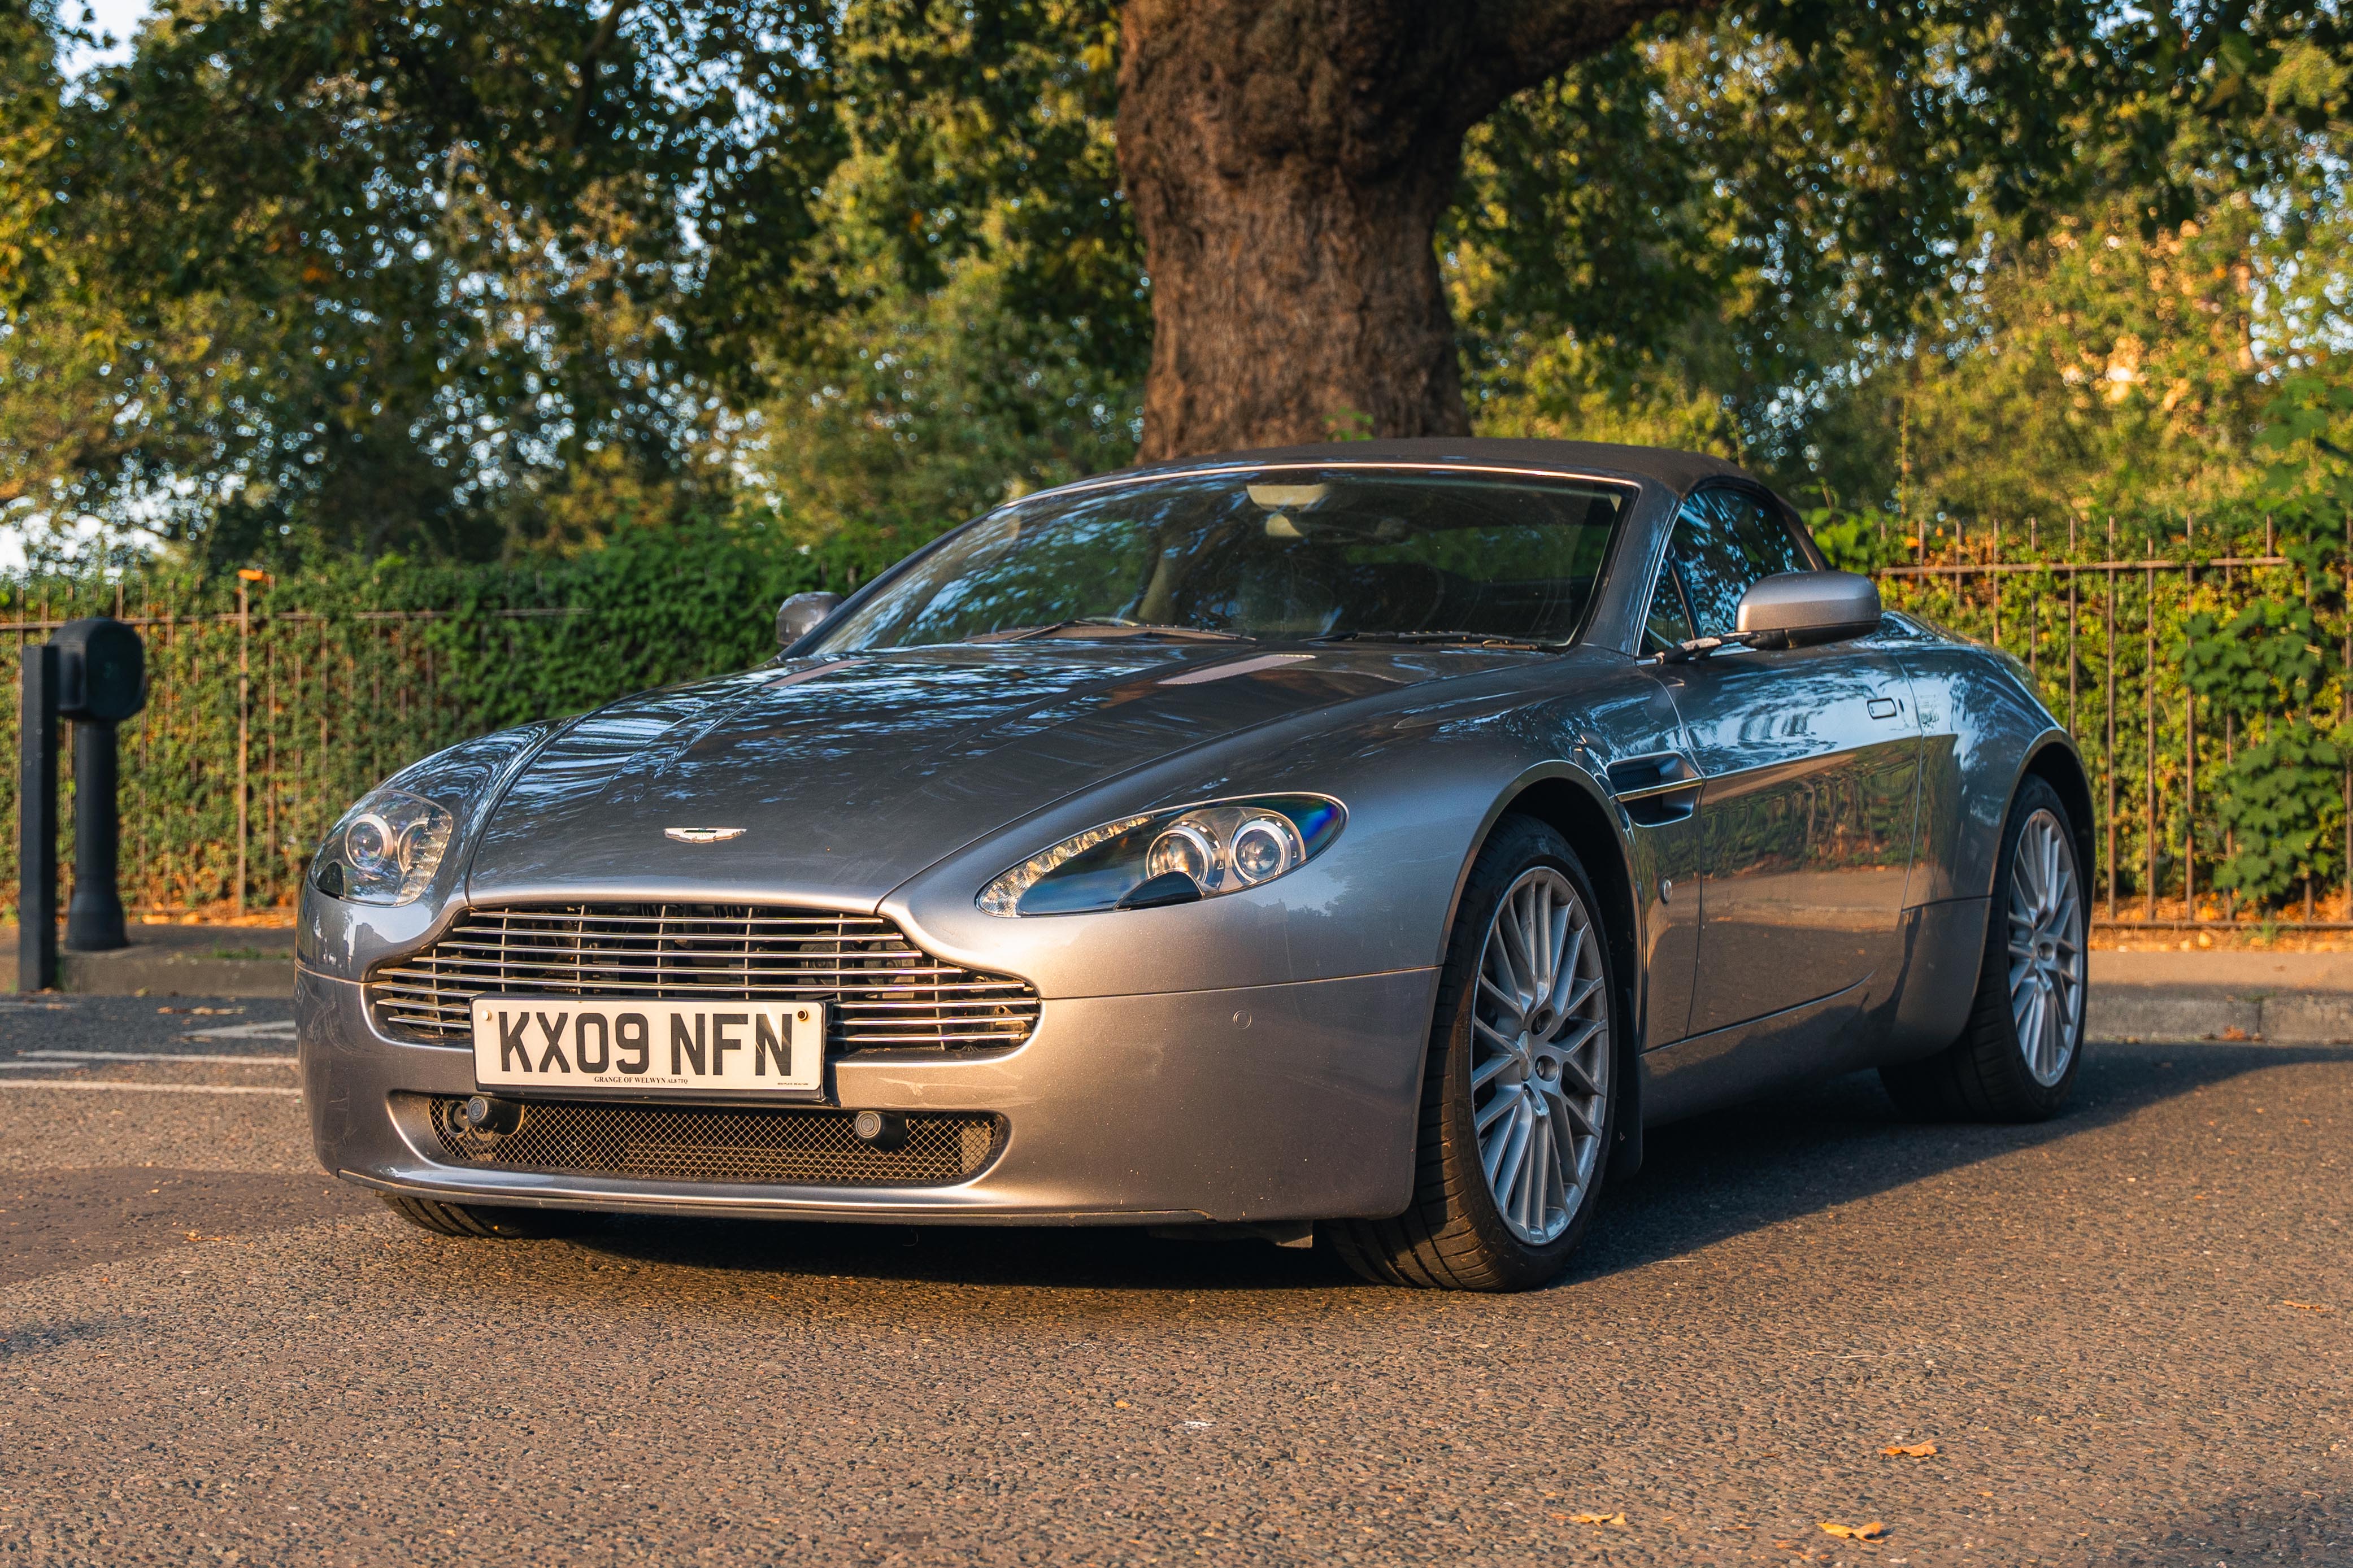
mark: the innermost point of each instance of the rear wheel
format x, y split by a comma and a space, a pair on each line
485, 1222
1519, 1095
2016, 1059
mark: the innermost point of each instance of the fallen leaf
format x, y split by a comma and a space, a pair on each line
1119, 1405
1597, 1519
2310, 1307
1911, 1450
1874, 1530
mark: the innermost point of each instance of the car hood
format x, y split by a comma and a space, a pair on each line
849, 776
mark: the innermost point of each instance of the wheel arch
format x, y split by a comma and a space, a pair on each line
2054, 760
1572, 803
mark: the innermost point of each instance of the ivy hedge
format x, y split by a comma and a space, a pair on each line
312, 688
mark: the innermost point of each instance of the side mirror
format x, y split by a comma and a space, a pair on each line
804, 613
1792, 609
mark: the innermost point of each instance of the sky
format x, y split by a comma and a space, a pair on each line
118, 18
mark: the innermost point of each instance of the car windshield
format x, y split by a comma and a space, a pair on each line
1274, 552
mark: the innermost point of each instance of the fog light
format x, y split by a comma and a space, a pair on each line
485, 1113
880, 1129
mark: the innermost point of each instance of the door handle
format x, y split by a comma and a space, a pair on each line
1656, 789
1886, 708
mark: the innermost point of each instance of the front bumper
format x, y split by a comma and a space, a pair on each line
1263, 1103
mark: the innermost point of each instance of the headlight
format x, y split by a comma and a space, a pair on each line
1169, 857
384, 851
386, 848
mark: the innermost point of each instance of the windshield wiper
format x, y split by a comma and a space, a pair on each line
1108, 625
1449, 639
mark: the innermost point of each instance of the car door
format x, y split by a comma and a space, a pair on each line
1635, 722
1808, 763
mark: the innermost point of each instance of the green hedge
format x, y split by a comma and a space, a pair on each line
353, 672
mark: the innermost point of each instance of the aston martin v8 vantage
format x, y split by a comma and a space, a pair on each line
1356, 845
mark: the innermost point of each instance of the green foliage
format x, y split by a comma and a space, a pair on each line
1691, 228
1924, 258
1856, 542
991, 327
481, 279
2240, 671
345, 275
2308, 432
2280, 794
2265, 658
2279, 804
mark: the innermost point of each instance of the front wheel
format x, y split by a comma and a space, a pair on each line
1519, 1098
2017, 1058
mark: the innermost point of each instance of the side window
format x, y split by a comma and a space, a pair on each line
1725, 542
1668, 626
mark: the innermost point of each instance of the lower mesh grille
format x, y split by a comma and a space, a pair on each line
718, 1143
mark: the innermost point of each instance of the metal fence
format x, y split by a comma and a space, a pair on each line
2132, 649
259, 730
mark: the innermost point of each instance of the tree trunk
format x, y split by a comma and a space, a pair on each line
1288, 163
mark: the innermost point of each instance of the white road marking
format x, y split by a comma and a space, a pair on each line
48, 1057
120, 1086
277, 1029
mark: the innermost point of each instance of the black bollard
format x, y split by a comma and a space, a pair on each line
94, 913
36, 824
101, 680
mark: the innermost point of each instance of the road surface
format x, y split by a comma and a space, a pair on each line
2126, 1334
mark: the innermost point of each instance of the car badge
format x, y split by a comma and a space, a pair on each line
702, 835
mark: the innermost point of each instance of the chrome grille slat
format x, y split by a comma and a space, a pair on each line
836, 925
802, 980
489, 953
881, 992
852, 1039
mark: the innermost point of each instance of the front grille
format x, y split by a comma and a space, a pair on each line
718, 1143
879, 990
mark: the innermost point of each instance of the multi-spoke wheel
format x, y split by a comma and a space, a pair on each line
1517, 1100
1540, 1057
2046, 946
2016, 1059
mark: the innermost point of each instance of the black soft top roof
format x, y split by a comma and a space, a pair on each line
1682, 471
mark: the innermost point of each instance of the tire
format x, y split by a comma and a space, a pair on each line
2035, 940
478, 1222
1551, 1084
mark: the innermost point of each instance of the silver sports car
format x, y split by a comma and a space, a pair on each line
1362, 843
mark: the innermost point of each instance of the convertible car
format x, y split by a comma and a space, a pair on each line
1356, 845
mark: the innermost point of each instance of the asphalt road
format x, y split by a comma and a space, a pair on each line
210, 1353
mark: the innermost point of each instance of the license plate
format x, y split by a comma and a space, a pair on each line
569, 1042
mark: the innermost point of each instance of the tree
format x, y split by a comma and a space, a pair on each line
990, 324
479, 277
1288, 166
435, 273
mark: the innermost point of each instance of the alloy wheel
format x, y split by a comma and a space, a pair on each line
1540, 1057
2046, 947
